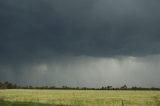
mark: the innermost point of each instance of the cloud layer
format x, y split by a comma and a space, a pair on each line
86, 71
59, 38
86, 27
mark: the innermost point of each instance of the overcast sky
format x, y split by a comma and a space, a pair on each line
80, 42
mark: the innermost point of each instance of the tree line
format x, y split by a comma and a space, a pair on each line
8, 85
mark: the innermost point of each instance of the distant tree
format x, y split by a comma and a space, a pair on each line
109, 87
52, 87
77, 88
1, 85
102, 88
10, 86
30, 87
84, 88
124, 87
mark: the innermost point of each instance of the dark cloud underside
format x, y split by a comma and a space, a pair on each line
36, 33
81, 27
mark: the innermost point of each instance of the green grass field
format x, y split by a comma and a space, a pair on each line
78, 98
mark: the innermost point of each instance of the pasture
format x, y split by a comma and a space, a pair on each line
78, 98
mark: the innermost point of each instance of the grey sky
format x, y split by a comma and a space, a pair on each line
49, 34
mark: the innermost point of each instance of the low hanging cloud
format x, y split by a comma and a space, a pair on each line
80, 42
87, 71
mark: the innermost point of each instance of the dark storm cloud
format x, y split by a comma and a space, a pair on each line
41, 38
82, 27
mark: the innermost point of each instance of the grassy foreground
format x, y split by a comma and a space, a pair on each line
78, 98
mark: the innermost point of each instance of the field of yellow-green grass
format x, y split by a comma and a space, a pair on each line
78, 98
